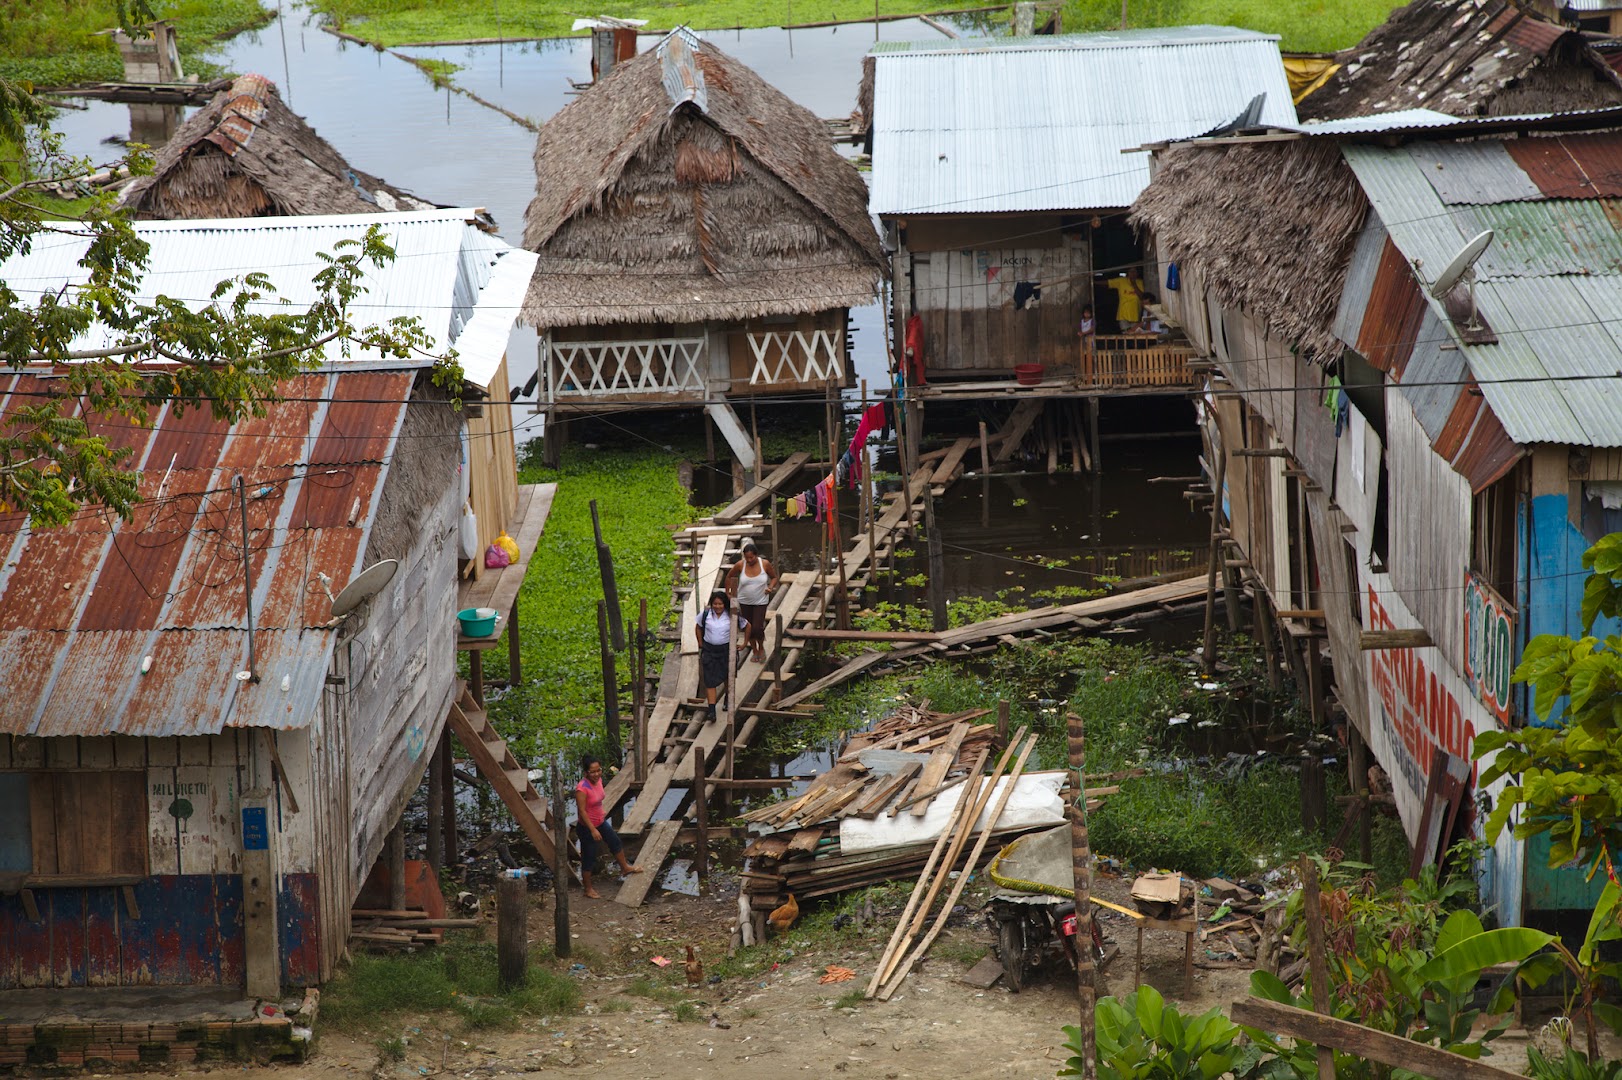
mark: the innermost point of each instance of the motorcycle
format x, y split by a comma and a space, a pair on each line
1032, 909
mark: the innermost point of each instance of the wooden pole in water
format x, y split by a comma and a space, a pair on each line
611, 589
870, 491
701, 811
985, 451
837, 538
1081, 868
611, 689
777, 661
560, 868
937, 563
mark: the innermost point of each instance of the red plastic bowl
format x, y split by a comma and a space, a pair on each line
1028, 374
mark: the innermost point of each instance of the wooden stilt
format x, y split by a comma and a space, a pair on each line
437, 766
1081, 866
1208, 655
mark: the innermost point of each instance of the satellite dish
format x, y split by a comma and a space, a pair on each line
1454, 272
367, 584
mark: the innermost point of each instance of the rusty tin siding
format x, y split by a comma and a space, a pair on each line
1572, 166
83, 605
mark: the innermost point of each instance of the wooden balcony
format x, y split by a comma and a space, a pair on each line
628, 370
1134, 362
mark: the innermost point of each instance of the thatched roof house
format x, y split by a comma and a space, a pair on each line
685, 189
1465, 58
246, 154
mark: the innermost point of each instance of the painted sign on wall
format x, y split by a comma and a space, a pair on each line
1489, 640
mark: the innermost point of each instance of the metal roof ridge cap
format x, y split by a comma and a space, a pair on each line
309, 221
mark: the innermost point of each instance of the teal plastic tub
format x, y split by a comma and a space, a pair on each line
477, 621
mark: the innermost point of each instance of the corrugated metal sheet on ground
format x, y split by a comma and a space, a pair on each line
1572, 166
82, 605
442, 273
1473, 172
999, 129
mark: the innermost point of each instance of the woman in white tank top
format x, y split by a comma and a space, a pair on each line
750, 582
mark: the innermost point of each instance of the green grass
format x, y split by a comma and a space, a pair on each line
458, 978
1305, 25
853, 999
54, 42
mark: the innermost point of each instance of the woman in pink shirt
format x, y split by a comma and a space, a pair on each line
596, 834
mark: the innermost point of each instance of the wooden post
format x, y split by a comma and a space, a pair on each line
560, 869
731, 702
1358, 753
395, 852
937, 563
774, 524
1208, 653
449, 796
838, 538
709, 435
515, 658
642, 692
985, 450
1317, 963
1081, 866
436, 808
702, 811
512, 930
261, 940
1002, 722
754, 436
611, 688
1092, 433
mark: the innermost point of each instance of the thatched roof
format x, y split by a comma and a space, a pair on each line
246, 154
1465, 58
685, 189
1271, 227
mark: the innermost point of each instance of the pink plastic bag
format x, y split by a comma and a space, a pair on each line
495, 557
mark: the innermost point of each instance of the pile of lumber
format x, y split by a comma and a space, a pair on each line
912, 756
400, 928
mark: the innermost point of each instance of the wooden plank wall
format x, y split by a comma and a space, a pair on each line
1339, 593
400, 671
493, 463
1429, 530
966, 299
733, 342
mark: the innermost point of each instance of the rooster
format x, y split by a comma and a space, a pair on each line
695, 968
783, 918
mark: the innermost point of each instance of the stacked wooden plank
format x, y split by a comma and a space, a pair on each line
922, 754
400, 928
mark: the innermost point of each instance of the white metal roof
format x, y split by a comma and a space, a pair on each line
463, 284
1018, 124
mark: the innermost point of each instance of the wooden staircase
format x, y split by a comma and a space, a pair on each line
510, 779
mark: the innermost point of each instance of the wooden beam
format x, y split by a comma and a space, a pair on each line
816, 634
1362, 1041
1300, 613
1394, 639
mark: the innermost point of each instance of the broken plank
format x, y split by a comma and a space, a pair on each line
939, 763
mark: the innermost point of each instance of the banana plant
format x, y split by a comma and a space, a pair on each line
1586, 972
1143, 1038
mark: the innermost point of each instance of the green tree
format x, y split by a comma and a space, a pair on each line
228, 354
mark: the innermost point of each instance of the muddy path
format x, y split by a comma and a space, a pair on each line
779, 1019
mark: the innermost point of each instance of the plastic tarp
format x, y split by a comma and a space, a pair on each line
1043, 858
1035, 802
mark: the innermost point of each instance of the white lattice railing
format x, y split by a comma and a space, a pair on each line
617, 368
796, 356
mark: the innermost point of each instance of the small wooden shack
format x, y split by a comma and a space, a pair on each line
1001, 174
246, 154
192, 791
699, 238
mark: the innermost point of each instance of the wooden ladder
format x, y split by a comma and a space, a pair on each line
510, 779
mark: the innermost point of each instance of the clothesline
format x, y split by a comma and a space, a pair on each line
819, 500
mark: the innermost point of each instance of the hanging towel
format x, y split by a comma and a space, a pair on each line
872, 420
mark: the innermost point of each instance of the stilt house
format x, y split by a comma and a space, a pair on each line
1001, 182
699, 239
1412, 469
198, 761
246, 154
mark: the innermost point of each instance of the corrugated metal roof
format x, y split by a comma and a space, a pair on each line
1548, 327
1473, 172
81, 606
1572, 166
1400, 120
1593, 5
1106, 39
984, 127
1556, 236
442, 266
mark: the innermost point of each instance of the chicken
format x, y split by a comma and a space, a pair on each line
695, 968
783, 918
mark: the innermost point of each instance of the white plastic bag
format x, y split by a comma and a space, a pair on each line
469, 533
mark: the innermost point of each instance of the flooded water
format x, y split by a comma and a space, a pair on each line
386, 118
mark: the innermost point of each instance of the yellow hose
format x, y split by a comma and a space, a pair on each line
1023, 886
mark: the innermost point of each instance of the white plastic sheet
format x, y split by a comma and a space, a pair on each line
1035, 802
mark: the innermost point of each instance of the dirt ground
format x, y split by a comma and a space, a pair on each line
781, 1019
